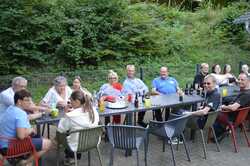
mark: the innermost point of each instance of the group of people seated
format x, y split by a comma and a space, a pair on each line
17, 107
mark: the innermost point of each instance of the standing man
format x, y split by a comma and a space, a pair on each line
133, 85
15, 124
199, 77
164, 85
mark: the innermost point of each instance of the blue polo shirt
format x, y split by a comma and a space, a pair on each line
165, 86
13, 118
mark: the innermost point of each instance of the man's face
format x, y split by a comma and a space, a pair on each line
208, 84
164, 72
243, 81
25, 103
130, 72
205, 69
19, 86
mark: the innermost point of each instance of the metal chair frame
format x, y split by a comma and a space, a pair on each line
127, 138
170, 129
89, 139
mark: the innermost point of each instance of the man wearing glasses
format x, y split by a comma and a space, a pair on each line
133, 85
212, 100
15, 124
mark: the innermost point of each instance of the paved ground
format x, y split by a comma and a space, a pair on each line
158, 158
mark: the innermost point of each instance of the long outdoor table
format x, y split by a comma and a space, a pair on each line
231, 93
232, 90
158, 101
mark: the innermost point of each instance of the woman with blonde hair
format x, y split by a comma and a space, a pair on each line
111, 91
82, 115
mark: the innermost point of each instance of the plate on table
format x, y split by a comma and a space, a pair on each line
117, 105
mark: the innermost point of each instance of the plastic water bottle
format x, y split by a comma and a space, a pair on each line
95, 100
53, 101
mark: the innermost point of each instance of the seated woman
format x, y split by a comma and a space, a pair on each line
111, 91
227, 72
82, 115
220, 78
77, 85
58, 95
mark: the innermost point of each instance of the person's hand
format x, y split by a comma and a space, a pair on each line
223, 107
68, 108
61, 104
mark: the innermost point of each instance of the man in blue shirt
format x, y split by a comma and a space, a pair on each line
164, 85
133, 85
15, 124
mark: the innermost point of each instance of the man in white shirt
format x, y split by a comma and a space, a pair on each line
133, 85
7, 96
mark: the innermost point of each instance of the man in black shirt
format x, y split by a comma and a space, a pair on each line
199, 78
241, 101
212, 100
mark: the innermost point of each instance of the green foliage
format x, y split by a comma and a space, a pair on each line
75, 34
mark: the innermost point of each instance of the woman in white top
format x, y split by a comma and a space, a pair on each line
77, 85
82, 115
227, 72
220, 78
111, 92
58, 95
244, 69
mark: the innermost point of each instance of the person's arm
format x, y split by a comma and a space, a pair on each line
45, 101
64, 125
154, 87
6, 100
231, 107
22, 133
34, 116
201, 112
23, 127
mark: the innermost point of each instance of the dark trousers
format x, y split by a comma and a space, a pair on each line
70, 154
158, 114
141, 116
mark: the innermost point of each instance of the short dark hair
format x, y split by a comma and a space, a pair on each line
21, 94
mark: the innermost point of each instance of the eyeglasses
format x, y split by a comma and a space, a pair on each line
112, 78
206, 83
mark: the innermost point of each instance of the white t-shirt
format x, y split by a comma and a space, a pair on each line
75, 120
6, 99
52, 96
220, 78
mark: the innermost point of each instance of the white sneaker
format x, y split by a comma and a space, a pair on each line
175, 141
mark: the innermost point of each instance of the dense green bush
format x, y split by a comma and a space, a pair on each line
72, 34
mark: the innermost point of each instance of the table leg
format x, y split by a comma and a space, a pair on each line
129, 122
38, 130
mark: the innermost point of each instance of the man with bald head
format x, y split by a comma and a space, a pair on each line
164, 84
242, 100
133, 85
